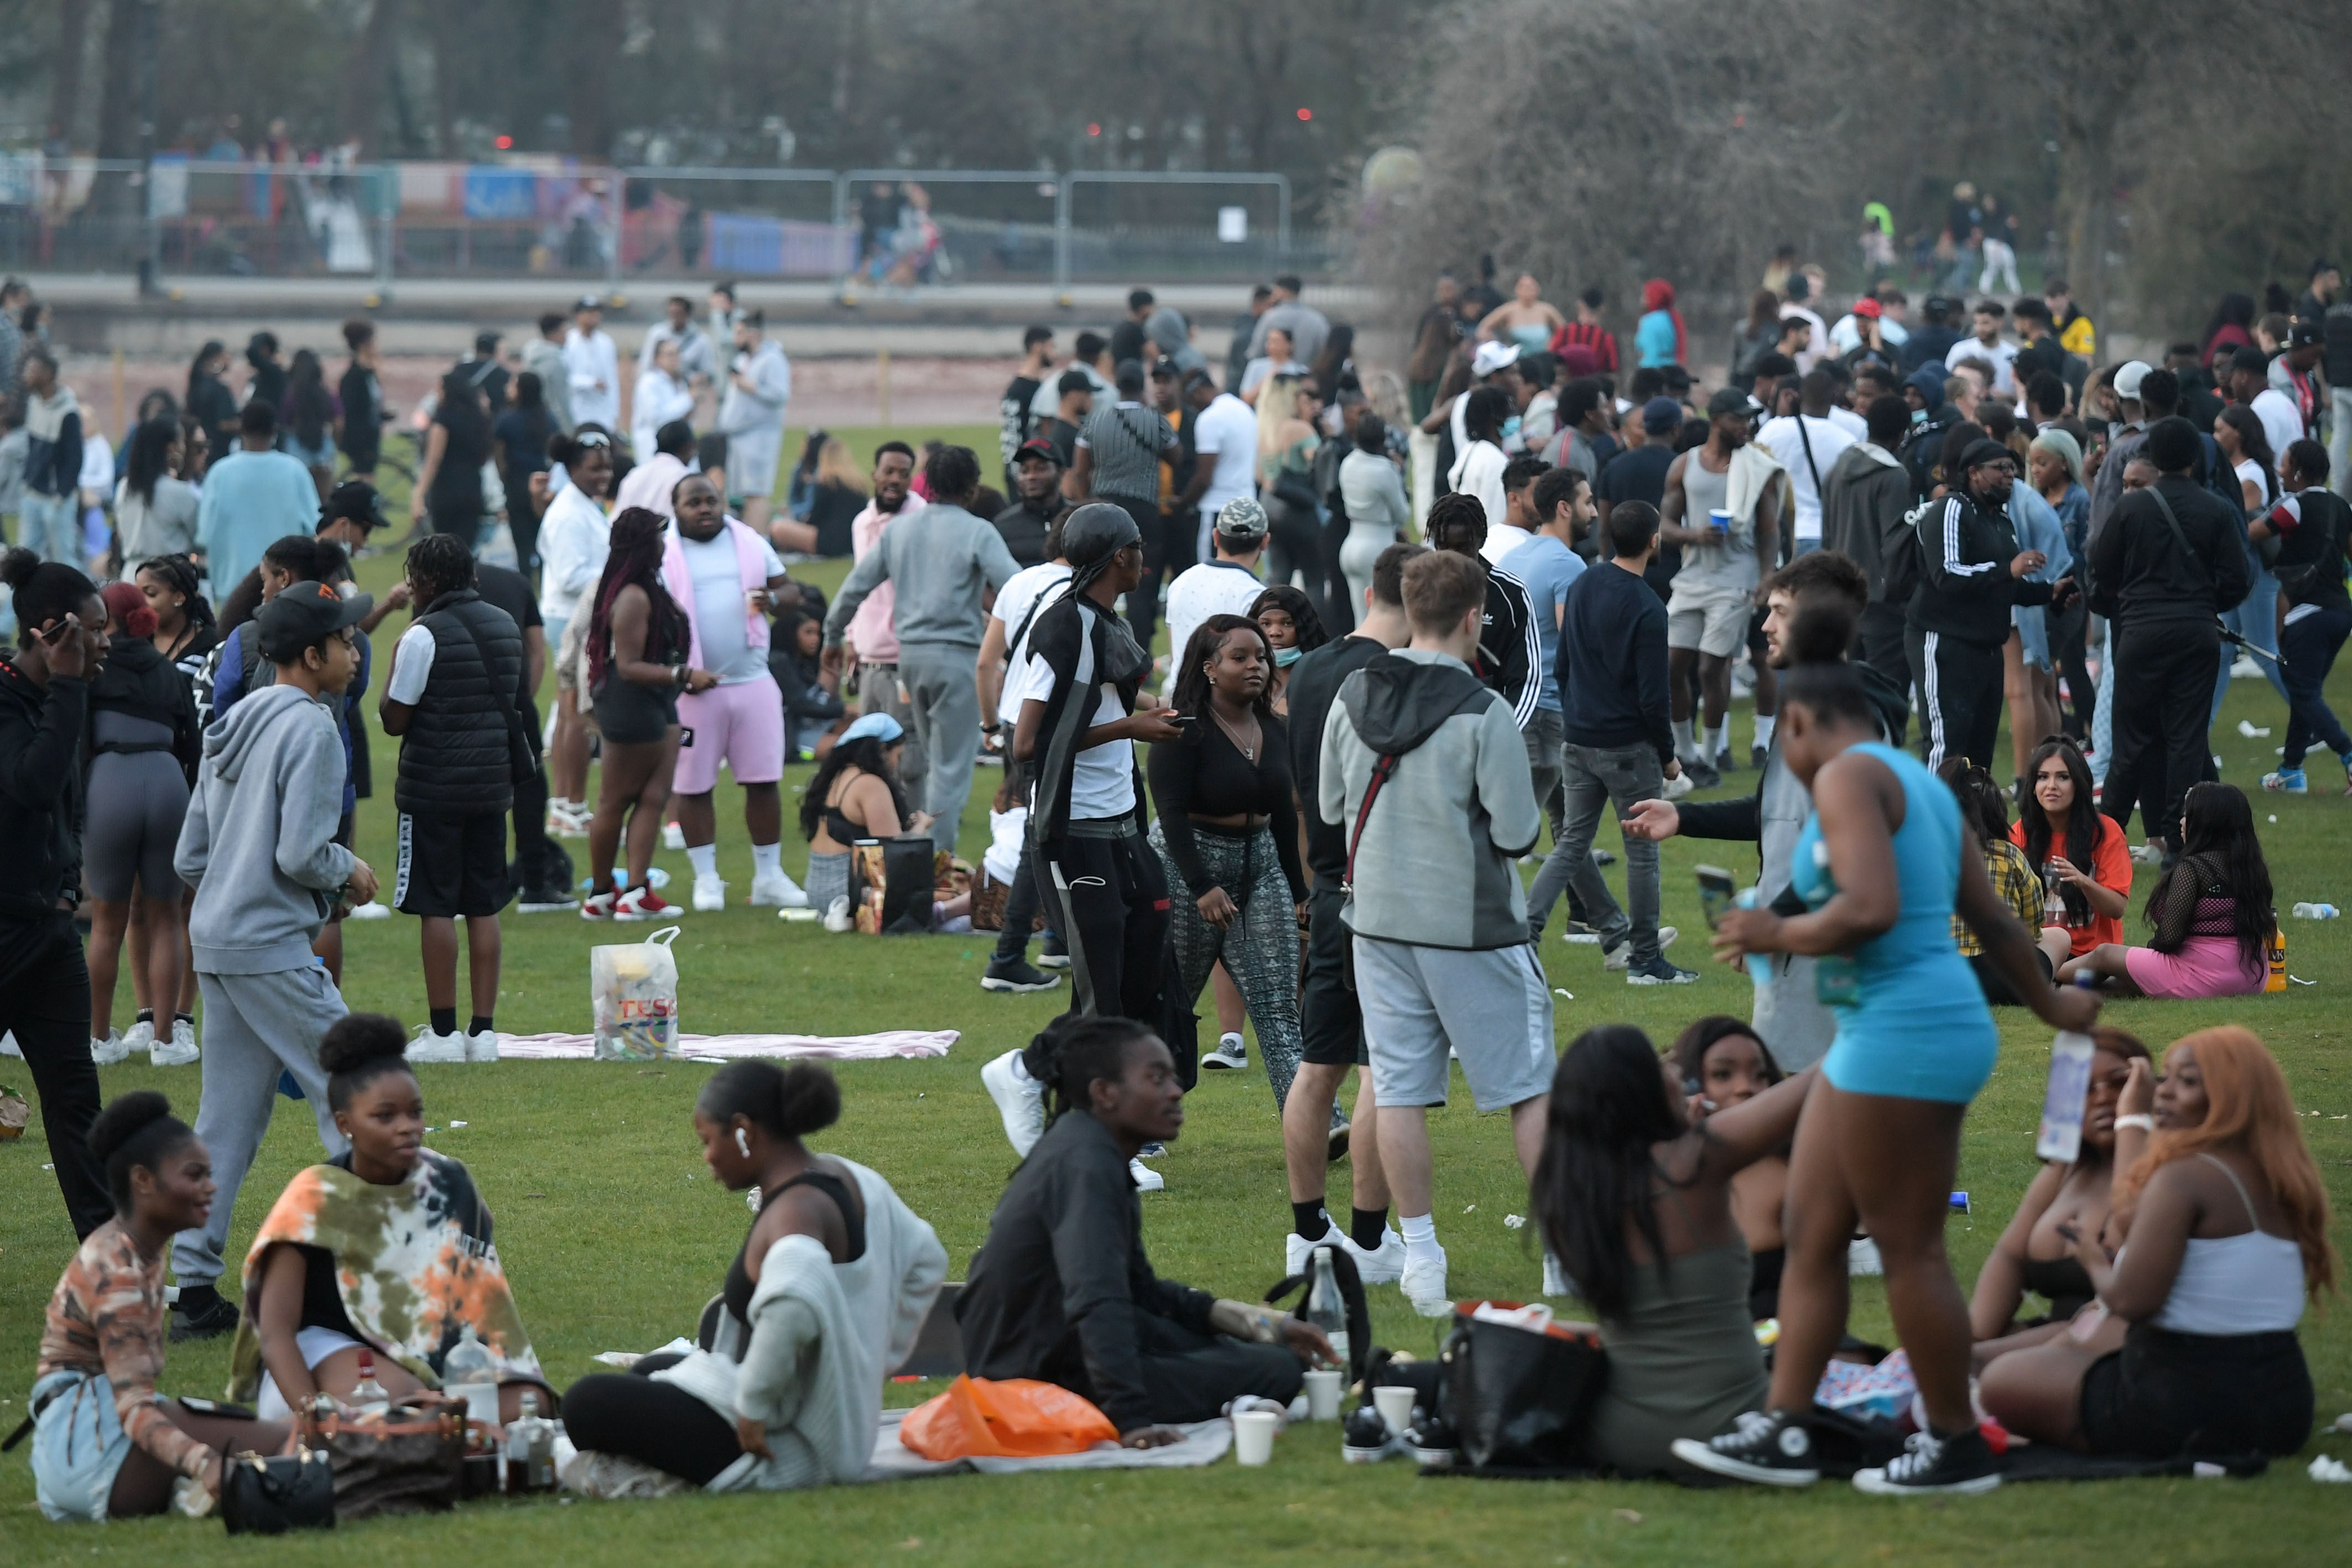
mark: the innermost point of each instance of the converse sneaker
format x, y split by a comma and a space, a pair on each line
1770, 1447
644, 904
1660, 972
482, 1045
2286, 781
710, 894
176, 1050
428, 1047
596, 907
1020, 1100
1960, 1465
1229, 1054
1015, 975
1146, 1179
109, 1052
775, 890
1381, 1265
1422, 1280
1621, 957
1364, 1438
673, 836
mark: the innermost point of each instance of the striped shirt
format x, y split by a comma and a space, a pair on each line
1126, 440
1592, 337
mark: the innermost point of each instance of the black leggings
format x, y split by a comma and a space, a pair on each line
656, 1424
45, 1001
1109, 902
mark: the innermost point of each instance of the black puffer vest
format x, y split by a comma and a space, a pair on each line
455, 758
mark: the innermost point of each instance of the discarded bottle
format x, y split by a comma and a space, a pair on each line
1327, 1310
531, 1451
2317, 912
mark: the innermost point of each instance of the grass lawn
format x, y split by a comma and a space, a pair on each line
615, 1236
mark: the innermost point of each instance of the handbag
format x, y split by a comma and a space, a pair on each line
893, 883
410, 1459
1518, 1399
1293, 488
271, 1495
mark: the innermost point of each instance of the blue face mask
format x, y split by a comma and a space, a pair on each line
1510, 432
1286, 657
1918, 416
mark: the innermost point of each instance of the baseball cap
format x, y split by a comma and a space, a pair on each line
1037, 446
1728, 400
1198, 376
354, 500
1866, 305
1986, 451
2303, 334
2130, 376
302, 613
2247, 357
1492, 357
1162, 367
588, 302
880, 726
1242, 519
1662, 416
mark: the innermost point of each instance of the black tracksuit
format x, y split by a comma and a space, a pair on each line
1957, 622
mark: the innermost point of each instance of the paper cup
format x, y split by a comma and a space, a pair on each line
1719, 521
1396, 1405
1323, 1394
1254, 1433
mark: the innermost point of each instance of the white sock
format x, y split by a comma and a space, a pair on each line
704, 858
766, 858
1420, 1238
1713, 742
1764, 721
1684, 745
1231, 1037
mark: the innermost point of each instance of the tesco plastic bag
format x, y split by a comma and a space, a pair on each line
1012, 1419
633, 988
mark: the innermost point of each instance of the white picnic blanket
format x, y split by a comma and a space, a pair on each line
1204, 1443
898, 1042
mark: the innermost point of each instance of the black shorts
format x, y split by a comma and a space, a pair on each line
1330, 1024
630, 715
2167, 1394
452, 865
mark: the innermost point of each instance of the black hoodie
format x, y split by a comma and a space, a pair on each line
40, 792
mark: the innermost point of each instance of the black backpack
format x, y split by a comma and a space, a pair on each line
1904, 558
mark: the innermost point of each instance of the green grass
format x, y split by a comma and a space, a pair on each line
615, 1236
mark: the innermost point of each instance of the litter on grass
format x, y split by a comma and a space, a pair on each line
2324, 1469
1514, 1221
2246, 728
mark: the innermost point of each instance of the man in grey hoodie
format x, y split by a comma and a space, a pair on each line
258, 846
1424, 766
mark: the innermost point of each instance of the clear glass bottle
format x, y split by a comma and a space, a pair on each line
470, 1372
531, 1451
1327, 1309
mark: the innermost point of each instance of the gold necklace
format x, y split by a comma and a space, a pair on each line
1248, 748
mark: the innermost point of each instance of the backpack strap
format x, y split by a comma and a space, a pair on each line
1383, 768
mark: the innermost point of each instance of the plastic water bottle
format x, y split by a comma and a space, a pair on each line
2317, 912
1327, 1309
2059, 1137
471, 1373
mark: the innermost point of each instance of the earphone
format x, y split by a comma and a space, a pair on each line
742, 1144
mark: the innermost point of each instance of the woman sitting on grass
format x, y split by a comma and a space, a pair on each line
1720, 1063
2226, 1220
2212, 911
1636, 1198
2013, 880
2075, 847
1062, 1291
2063, 1203
856, 795
822, 1304
385, 1251
105, 1444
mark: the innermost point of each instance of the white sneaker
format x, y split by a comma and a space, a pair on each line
775, 890
1424, 1281
482, 1046
1861, 1260
568, 819
428, 1047
1020, 1100
179, 1050
1384, 1265
139, 1036
371, 910
108, 1051
1298, 1251
1621, 957
710, 893
673, 836
1145, 1179
836, 914
1229, 1054
1555, 1282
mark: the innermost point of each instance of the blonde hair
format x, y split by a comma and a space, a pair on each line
833, 466
2249, 1109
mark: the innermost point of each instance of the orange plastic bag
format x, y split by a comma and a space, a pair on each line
1016, 1419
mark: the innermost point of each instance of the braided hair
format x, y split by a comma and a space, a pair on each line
442, 564
636, 558
1075, 1050
178, 573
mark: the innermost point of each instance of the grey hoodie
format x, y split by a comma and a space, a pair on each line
258, 843
1435, 867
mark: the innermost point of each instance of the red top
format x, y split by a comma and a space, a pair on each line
2111, 866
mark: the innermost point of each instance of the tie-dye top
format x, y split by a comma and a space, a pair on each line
106, 1319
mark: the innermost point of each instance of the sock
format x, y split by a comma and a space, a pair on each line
1308, 1220
704, 858
1368, 1228
481, 1025
1684, 745
444, 1021
767, 859
1420, 1238
1713, 742
1233, 1039
146, 1015
183, 1018
1764, 721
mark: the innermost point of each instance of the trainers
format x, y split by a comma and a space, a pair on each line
1229, 1054
1862, 1260
1364, 1438
1432, 1442
178, 1049
1622, 956
1423, 1282
1145, 1179
2286, 781
139, 1036
1298, 1251
645, 904
428, 1047
201, 1313
1702, 773
1336, 1142
1555, 1282
775, 890
371, 910
596, 907
673, 836
1056, 954
108, 1051
1381, 1265
1660, 972
568, 820
616, 1477
1757, 757
1770, 1447
1581, 934
1957, 1466
482, 1045
1015, 975
549, 900
710, 893
1677, 788
1020, 1100
836, 914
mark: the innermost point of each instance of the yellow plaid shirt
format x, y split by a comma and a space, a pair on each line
2014, 882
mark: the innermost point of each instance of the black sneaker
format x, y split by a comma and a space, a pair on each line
1770, 1447
1757, 757
1364, 1438
1701, 772
1957, 1466
1336, 1148
202, 1312
547, 900
1056, 954
1433, 1443
1015, 975
1659, 971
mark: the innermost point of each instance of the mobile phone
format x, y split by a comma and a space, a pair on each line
1183, 720
1715, 892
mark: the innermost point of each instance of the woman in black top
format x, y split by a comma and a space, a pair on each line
449, 485
210, 402
306, 418
1227, 835
520, 436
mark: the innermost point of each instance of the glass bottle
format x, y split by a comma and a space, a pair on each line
1327, 1309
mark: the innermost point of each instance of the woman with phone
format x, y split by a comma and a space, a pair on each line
1720, 1063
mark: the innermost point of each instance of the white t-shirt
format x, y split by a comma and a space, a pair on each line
1784, 440
2249, 472
412, 664
2282, 420
1853, 423
1502, 538
1817, 346
1227, 431
1031, 588
1211, 587
2003, 358
719, 612
574, 537
1102, 777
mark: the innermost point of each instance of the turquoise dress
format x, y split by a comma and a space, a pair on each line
1913, 1022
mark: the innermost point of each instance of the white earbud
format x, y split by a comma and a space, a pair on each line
742, 1144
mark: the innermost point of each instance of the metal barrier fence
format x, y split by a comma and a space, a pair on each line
554, 218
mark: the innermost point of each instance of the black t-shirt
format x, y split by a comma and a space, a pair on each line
1127, 342
1013, 419
362, 400
510, 591
2313, 527
459, 481
1314, 687
524, 432
831, 511
1639, 473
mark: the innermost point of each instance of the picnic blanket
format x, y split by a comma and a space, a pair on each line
898, 1042
1204, 1443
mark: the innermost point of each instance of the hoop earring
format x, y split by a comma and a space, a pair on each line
742, 1144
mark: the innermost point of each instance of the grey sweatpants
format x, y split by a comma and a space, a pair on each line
255, 1027
943, 691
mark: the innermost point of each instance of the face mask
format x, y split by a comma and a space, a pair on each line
1286, 657
1918, 416
1510, 431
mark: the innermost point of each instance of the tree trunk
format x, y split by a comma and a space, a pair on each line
363, 78
595, 29
65, 84
114, 195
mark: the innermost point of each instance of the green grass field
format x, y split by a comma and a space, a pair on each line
614, 1235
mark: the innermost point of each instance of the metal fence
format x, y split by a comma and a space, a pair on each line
553, 217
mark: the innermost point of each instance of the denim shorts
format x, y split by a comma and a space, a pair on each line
79, 1446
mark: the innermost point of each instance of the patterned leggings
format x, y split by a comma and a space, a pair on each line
1260, 948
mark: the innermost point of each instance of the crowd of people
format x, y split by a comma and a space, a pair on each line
1410, 620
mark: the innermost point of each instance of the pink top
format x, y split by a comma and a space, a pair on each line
870, 629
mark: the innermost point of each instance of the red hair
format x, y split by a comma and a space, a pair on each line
127, 608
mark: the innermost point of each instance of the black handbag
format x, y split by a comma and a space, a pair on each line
1518, 1400
271, 1495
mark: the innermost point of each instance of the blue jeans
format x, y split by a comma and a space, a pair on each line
2256, 621
2311, 645
1591, 777
50, 527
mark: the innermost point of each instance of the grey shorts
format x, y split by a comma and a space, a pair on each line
1490, 1006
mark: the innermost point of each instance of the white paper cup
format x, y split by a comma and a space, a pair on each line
1396, 1405
1254, 1433
1323, 1393
481, 1402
